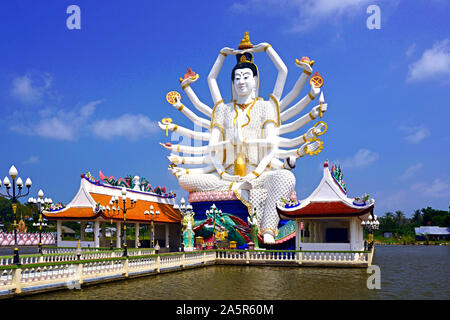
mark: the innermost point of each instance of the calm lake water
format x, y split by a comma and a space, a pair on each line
407, 272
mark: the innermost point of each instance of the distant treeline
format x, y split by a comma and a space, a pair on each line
398, 224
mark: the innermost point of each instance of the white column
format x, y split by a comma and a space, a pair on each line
352, 233
167, 235
136, 235
315, 236
298, 234
96, 234
59, 232
118, 234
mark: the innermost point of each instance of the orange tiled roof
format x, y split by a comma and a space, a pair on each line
72, 213
167, 213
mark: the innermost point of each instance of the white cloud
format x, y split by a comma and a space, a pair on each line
304, 14
436, 189
30, 90
411, 170
415, 134
127, 125
59, 125
433, 64
31, 160
362, 158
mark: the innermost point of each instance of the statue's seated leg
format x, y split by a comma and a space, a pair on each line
202, 182
280, 183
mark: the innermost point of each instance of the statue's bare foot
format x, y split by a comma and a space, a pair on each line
268, 238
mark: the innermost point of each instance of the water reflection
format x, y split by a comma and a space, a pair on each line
407, 272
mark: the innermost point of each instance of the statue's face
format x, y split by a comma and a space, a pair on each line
244, 81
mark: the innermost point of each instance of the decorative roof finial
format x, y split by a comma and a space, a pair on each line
245, 42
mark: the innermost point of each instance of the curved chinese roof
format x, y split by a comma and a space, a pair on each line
94, 196
327, 200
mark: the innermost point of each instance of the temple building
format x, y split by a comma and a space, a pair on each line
328, 219
92, 203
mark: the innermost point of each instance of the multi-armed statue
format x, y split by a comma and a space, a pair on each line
244, 139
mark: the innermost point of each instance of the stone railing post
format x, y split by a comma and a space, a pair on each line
125, 269
183, 260
79, 274
17, 280
158, 263
247, 257
299, 257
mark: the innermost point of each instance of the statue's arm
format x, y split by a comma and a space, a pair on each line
310, 135
306, 148
185, 132
188, 160
313, 114
191, 115
279, 64
299, 106
200, 106
179, 171
298, 86
214, 73
186, 149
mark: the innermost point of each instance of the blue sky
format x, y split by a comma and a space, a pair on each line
73, 101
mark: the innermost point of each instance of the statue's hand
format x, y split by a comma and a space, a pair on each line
310, 148
177, 171
171, 147
228, 51
289, 162
169, 126
178, 103
174, 159
314, 91
259, 47
304, 65
318, 110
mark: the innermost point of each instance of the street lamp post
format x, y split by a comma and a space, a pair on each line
152, 213
371, 224
124, 210
13, 173
41, 203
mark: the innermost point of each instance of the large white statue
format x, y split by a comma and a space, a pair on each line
244, 140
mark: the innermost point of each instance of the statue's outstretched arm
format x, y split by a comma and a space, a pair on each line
185, 132
299, 106
306, 148
214, 73
179, 171
279, 64
189, 160
200, 106
288, 164
191, 115
297, 124
298, 86
185, 149
310, 135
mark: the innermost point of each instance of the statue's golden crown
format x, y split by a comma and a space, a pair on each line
245, 42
